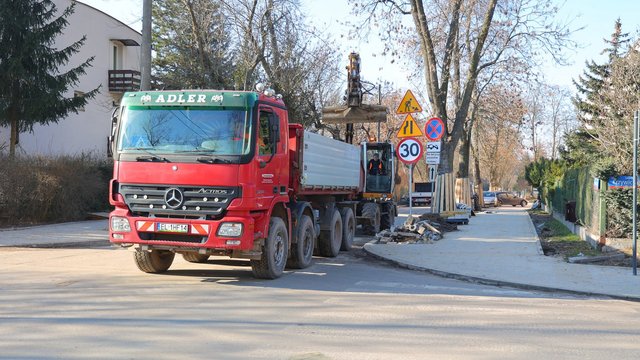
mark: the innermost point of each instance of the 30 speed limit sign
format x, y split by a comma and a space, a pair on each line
409, 150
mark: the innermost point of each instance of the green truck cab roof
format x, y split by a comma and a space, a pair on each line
204, 98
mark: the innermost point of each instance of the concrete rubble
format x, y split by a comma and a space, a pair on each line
422, 230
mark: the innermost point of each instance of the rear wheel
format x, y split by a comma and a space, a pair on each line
274, 252
194, 257
302, 250
371, 211
155, 261
348, 229
330, 240
523, 203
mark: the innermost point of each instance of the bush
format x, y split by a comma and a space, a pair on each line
619, 212
45, 189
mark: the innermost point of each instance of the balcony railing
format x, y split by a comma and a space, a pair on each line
124, 80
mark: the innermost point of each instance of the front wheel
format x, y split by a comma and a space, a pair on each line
155, 261
523, 203
274, 252
194, 257
371, 211
388, 219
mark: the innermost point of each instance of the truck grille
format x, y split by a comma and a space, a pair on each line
184, 202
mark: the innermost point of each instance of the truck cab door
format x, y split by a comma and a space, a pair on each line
271, 158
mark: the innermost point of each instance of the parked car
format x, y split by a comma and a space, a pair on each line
489, 198
505, 198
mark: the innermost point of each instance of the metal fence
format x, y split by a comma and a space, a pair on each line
577, 196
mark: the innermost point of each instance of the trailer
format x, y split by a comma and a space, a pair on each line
204, 172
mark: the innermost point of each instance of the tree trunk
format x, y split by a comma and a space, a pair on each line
464, 155
15, 131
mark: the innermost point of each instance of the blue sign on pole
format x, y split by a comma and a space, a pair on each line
620, 182
434, 129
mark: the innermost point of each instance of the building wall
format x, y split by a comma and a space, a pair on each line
86, 131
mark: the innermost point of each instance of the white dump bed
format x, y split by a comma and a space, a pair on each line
329, 163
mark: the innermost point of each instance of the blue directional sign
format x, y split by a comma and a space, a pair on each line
620, 182
434, 129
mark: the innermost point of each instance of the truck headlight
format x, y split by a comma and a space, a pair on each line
230, 229
120, 224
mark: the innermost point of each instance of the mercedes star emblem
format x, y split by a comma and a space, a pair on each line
174, 198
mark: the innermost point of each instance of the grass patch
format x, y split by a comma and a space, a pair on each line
556, 239
562, 237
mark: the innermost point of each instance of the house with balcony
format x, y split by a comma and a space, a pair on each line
115, 68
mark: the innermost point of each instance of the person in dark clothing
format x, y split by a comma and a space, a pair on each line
375, 166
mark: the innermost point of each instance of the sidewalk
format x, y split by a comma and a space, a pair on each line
56, 235
502, 248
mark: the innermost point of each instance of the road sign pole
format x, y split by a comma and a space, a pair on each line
434, 193
410, 189
634, 260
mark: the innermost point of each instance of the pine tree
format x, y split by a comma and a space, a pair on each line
591, 84
617, 42
32, 89
601, 104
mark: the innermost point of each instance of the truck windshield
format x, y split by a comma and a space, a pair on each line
184, 130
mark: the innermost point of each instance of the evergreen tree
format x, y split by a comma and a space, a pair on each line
590, 86
191, 40
617, 42
32, 89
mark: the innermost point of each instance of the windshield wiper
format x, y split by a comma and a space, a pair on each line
212, 160
150, 157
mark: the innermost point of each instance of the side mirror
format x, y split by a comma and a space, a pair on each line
112, 136
110, 146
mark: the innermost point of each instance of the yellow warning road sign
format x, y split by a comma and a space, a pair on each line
409, 104
409, 128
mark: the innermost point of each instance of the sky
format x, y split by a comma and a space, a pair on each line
596, 17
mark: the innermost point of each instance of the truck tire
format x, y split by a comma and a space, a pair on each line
329, 241
302, 250
348, 228
155, 261
388, 218
194, 257
372, 212
274, 252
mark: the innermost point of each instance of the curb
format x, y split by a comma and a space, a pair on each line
60, 245
491, 282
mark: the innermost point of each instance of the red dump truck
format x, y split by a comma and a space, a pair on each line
204, 173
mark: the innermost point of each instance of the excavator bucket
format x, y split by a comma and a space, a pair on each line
354, 111
354, 114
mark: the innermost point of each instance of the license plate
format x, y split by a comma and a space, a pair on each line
174, 228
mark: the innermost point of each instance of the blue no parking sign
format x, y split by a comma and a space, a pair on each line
434, 129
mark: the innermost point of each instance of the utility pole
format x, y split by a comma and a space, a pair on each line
145, 49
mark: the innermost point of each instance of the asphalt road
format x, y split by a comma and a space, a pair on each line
79, 303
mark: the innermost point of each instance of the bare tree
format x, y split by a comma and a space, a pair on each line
275, 44
459, 39
561, 116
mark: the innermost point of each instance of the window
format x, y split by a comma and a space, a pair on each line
184, 130
265, 143
116, 56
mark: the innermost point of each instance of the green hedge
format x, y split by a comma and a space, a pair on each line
575, 185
